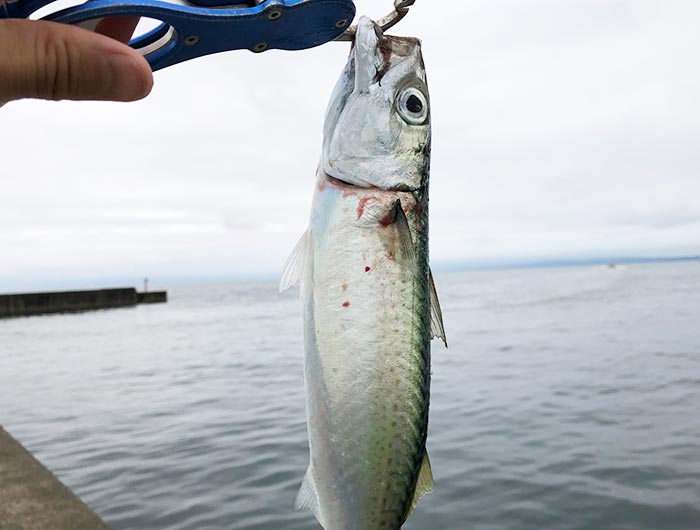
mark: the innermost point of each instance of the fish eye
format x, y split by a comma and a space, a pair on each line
413, 106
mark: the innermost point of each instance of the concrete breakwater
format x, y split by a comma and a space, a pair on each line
32, 498
27, 304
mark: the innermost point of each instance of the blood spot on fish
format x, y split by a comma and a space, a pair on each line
367, 269
390, 256
349, 193
387, 220
346, 304
345, 287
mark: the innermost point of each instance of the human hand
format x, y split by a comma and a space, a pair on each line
47, 60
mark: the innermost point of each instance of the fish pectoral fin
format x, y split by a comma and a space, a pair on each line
424, 484
407, 251
437, 327
297, 264
307, 498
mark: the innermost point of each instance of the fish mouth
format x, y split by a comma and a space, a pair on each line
332, 172
340, 182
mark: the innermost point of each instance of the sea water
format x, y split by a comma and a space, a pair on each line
569, 399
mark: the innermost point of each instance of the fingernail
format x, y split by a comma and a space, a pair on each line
128, 77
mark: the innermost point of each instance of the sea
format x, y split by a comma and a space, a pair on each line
569, 399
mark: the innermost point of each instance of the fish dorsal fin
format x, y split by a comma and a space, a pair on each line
437, 327
424, 484
307, 498
297, 263
406, 248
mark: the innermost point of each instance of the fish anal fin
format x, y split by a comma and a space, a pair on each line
307, 498
424, 484
297, 263
437, 327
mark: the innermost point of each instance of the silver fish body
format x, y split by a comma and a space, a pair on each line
369, 305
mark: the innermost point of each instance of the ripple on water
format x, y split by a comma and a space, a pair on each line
568, 400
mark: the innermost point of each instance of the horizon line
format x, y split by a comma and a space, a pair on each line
439, 267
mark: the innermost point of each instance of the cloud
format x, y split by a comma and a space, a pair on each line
559, 129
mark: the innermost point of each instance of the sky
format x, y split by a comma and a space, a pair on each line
561, 130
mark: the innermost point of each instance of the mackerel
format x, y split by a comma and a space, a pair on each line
370, 307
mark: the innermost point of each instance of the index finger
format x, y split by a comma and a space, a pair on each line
120, 28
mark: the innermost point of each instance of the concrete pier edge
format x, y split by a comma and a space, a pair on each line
32, 498
43, 303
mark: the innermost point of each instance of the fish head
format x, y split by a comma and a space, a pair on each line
377, 130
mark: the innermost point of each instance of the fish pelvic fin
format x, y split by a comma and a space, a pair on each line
307, 498
297, 264
437, 327
424, 484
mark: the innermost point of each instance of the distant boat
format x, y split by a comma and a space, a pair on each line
612, 267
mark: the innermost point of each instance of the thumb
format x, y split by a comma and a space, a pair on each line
48, 60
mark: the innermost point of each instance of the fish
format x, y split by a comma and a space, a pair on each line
368, 296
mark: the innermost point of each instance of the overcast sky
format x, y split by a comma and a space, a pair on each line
560, 129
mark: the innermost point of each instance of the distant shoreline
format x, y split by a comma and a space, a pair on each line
558, 263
